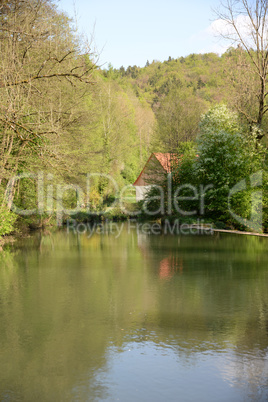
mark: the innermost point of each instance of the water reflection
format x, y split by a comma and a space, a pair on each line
137, 317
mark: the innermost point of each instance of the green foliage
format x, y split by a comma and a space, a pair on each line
8, 220
202, 73
184, 171
265, 196
52, 121
219, 118
185, 176
227, 155
178, 118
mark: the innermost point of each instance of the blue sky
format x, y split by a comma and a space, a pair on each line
132, 32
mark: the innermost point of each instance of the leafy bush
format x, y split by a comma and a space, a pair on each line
7, 222
228, 155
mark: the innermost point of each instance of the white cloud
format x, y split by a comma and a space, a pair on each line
220, 36
221, 28
206, 41
216, 27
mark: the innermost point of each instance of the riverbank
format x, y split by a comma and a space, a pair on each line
241, 233
9, 239
83, 221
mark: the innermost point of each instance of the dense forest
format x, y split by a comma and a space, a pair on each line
62, 117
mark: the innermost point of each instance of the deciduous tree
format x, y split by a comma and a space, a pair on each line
245, 23
43, 75
177, 118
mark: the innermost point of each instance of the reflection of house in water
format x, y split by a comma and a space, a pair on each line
168, 266
158, 165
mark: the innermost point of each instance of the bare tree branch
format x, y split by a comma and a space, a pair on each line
245, 23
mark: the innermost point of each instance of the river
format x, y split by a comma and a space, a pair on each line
101, 316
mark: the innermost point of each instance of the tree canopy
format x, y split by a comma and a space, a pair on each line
64, 116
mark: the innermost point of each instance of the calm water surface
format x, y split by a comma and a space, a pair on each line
134, 318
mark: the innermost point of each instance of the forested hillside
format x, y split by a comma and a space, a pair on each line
178, 91
64, 117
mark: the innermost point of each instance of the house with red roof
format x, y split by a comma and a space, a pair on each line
154, 172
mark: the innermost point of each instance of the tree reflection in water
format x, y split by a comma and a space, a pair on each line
93, 318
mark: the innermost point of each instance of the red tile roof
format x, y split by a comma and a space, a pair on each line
165, 160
